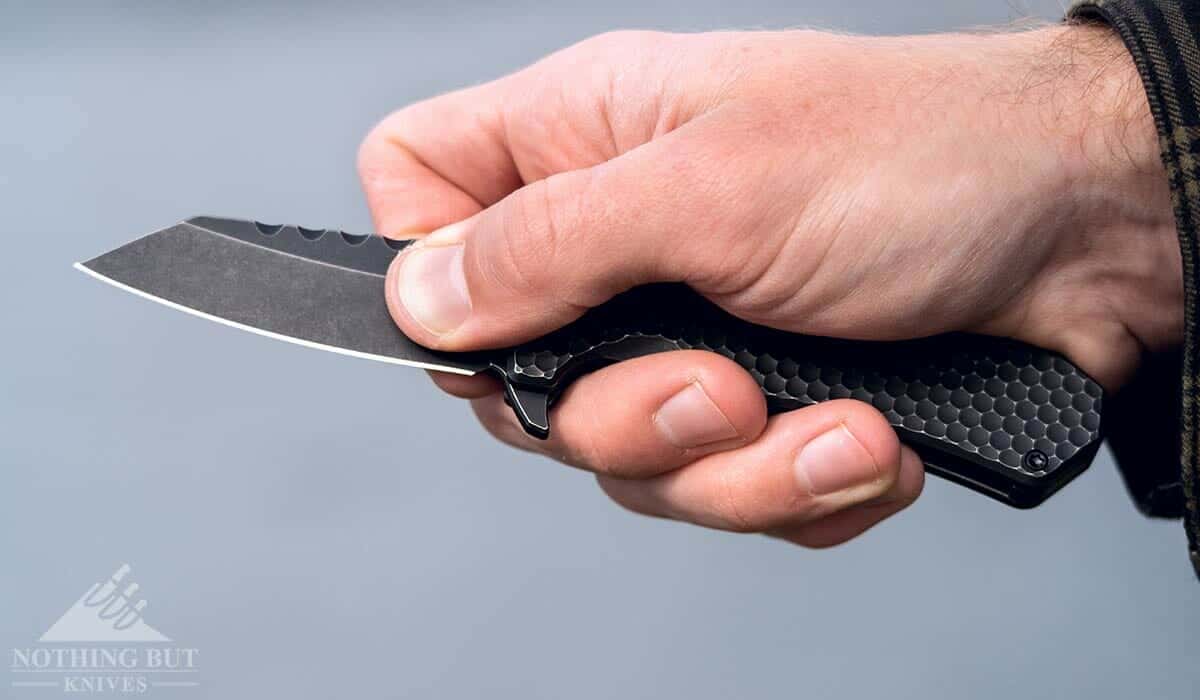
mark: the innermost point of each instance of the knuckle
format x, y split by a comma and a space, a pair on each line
603, 458
601, 467
538, 235
385, 141
624, 497
386, 131
583, 441
526, 245
371, 154
907, 495
910, 484
591, 455
396, 130
611, 468
560, 206
730, 504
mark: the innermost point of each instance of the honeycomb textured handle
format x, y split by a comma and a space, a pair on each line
1007, 419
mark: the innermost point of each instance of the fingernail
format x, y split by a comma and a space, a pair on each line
433, 288
691, 419
834, 461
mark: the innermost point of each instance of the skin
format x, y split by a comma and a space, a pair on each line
860, 187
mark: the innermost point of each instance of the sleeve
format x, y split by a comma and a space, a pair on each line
1152, 422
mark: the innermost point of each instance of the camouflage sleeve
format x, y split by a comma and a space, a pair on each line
1157, 450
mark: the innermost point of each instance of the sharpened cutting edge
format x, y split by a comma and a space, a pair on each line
270, 334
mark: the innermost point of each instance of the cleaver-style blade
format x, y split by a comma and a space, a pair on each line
312, 287
1001, 417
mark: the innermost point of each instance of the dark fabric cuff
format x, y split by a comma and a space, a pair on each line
1162, 37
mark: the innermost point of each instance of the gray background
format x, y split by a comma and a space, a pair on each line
324, 527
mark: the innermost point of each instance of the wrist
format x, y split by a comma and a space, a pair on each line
1117, 253
1097, 112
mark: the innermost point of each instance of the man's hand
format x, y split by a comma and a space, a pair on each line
857, 187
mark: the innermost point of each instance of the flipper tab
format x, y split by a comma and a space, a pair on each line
532, 408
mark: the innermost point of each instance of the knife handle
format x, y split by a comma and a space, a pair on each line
1004, 418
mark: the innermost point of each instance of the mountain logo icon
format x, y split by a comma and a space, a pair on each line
110, 611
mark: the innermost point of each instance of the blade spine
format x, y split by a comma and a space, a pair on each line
82, 267
198, 227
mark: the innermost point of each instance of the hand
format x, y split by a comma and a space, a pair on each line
859, 187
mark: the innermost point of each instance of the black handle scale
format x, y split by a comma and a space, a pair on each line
1004, 418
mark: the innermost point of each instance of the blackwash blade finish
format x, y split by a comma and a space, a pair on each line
313, 287
1007, 419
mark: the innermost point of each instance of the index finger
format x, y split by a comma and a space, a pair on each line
437, 162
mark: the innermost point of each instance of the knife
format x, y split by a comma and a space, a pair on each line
1009, 420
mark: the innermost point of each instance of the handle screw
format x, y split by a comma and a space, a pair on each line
1036, 460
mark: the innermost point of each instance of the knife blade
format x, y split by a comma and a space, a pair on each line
1004, 418
289, 283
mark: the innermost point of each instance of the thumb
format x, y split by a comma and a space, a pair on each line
542, 256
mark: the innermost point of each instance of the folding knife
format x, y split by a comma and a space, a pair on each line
1006, 419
